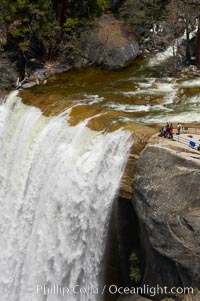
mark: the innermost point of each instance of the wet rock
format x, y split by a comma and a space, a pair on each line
195, 73
29, 85
158, 100
154, 86
189, 73
183, 76
38, 76
166, 200
37, 81
44, 82
184, 96
177, 100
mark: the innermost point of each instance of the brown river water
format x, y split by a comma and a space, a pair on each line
134, 96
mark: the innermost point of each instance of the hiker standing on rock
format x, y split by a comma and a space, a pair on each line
167, 128
171, 131
179, 128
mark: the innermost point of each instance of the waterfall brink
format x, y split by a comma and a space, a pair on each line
57, 185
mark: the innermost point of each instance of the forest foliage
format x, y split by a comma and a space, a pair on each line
41, 23
35, 28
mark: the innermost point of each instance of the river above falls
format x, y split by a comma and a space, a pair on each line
137, 94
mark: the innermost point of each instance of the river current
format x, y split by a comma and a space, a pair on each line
138, 94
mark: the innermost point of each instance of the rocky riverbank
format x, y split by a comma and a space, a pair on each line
107, 43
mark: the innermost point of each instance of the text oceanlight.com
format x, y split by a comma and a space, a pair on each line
152, 291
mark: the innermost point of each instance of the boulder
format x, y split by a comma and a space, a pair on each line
167, 204
44, 82
108, 43
29, 85
111, 44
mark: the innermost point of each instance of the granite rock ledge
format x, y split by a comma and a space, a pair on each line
166, 198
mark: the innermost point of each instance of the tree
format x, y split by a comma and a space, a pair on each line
28, 23
141, 14
198, 45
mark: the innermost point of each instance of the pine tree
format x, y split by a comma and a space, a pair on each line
28, 24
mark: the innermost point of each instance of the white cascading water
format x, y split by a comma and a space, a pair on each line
171, 50
57, 185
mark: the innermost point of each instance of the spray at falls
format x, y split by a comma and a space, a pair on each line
57, 184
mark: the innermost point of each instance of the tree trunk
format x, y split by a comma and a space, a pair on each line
21, 66
62, 7
198, 48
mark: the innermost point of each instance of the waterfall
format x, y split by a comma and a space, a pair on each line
57, 185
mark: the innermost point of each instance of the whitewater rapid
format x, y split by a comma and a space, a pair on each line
57, 185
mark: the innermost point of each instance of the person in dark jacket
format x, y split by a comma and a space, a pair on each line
178, 128
171, 131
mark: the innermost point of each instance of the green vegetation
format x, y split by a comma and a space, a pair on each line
36, 29
135, 269
70, 24
102, 3
141, 14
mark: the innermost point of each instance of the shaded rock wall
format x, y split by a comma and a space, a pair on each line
122, 239
8, 73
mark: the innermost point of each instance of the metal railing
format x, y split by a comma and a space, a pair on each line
190, 130
189, 142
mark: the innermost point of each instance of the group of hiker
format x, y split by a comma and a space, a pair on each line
167, 130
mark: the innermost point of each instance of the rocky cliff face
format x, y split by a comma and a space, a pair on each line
8, 74
141, 135
167, 204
